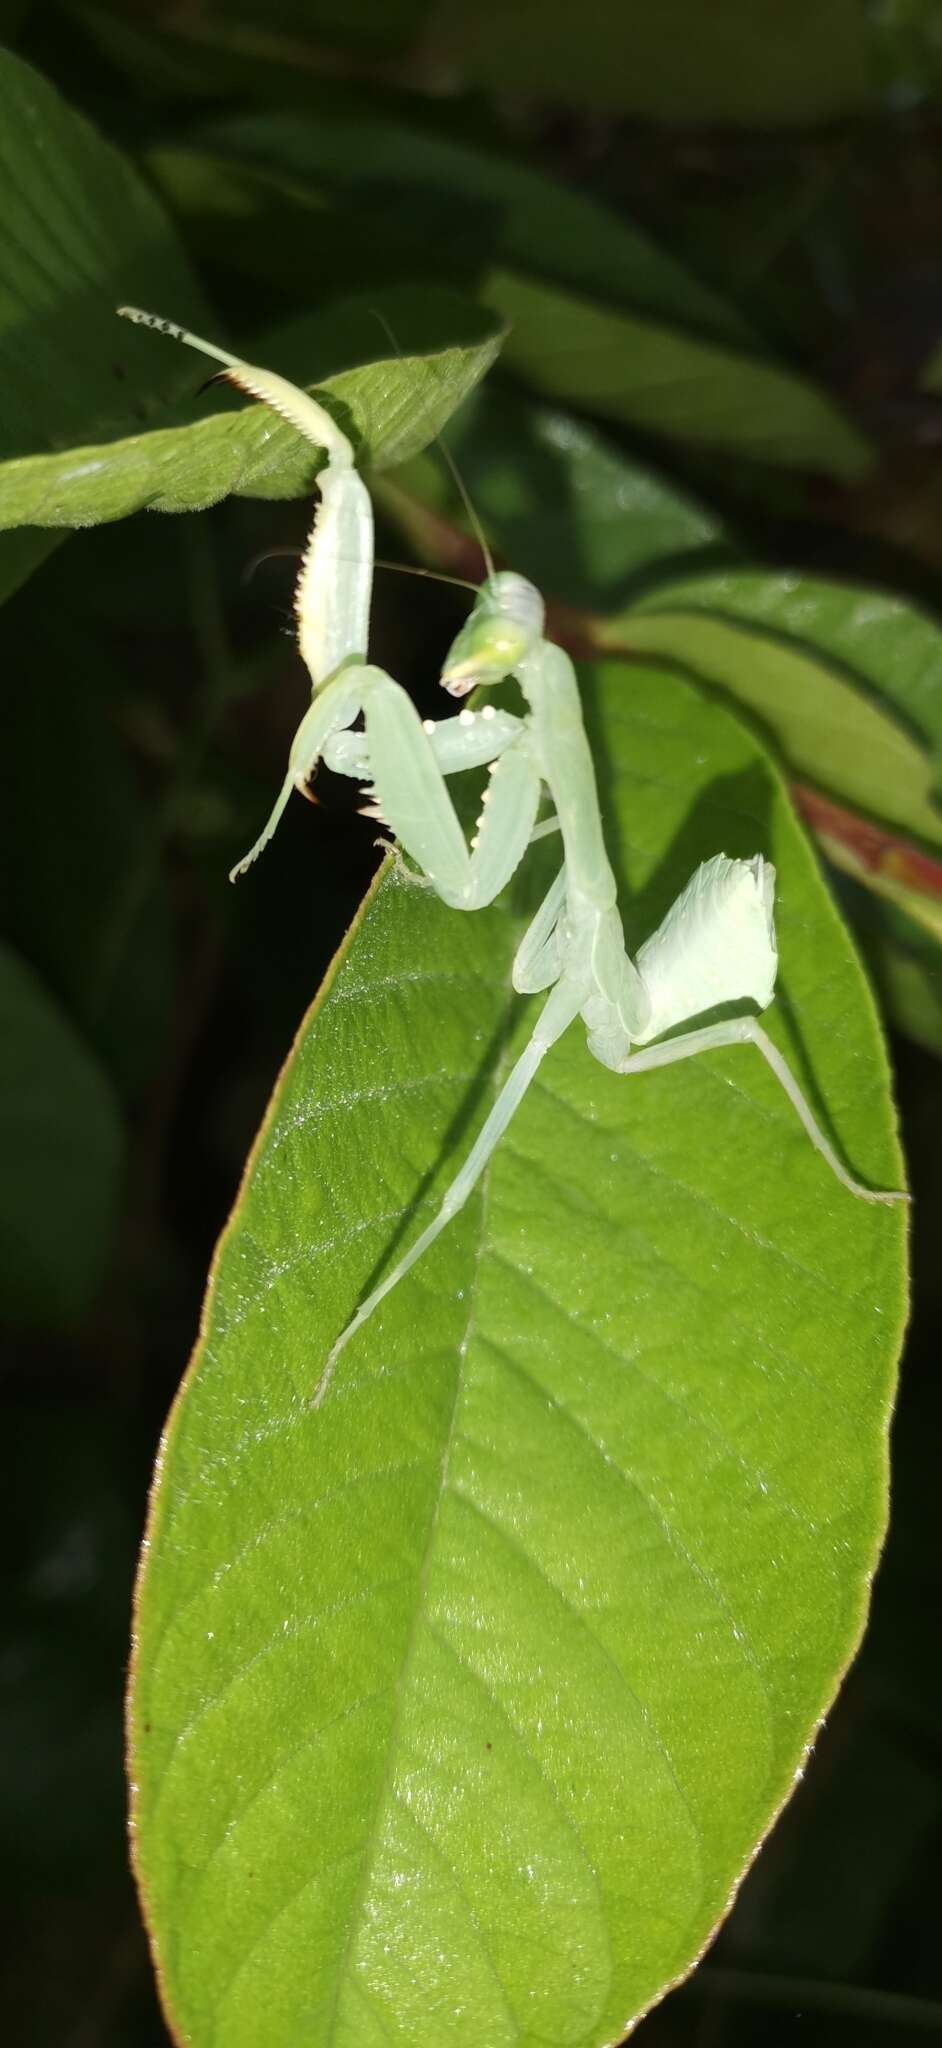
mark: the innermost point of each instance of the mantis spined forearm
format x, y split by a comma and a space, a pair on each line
715, 947
332, 608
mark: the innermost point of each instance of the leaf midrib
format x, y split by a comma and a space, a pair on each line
384, 1789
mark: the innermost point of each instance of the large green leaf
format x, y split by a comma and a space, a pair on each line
460, 1705
393, 406
813, 660
643, 375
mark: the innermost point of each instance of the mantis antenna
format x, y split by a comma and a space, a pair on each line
464, 494
379, 562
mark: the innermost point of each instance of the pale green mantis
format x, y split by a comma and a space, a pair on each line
716, 945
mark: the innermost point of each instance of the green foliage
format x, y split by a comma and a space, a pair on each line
460, 1707
513, 1648
796, 652
558, 500
638, 375
79, 230
499, 210
544, 257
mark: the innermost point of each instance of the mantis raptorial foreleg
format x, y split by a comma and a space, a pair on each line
335, 584
332, 605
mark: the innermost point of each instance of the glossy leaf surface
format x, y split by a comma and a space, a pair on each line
845, 679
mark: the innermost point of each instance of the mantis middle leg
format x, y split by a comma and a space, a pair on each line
748, 1031
562, 1006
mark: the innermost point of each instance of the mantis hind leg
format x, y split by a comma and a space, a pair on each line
538, 959
748, 1031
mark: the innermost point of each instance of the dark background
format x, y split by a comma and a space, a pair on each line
172, 688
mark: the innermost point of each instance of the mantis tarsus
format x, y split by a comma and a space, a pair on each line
716, 946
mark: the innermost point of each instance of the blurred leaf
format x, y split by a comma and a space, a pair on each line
908, 978
460, 1705
557, 501
904, 958
449, 192
213, 56
664, 382
634, 358
79, 232
88, 900
392, 406
261, 227
61, 1152
905, 50
812, 660
783, 62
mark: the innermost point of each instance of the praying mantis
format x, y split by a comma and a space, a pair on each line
716, 945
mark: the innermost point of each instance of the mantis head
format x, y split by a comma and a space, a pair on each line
504, 625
